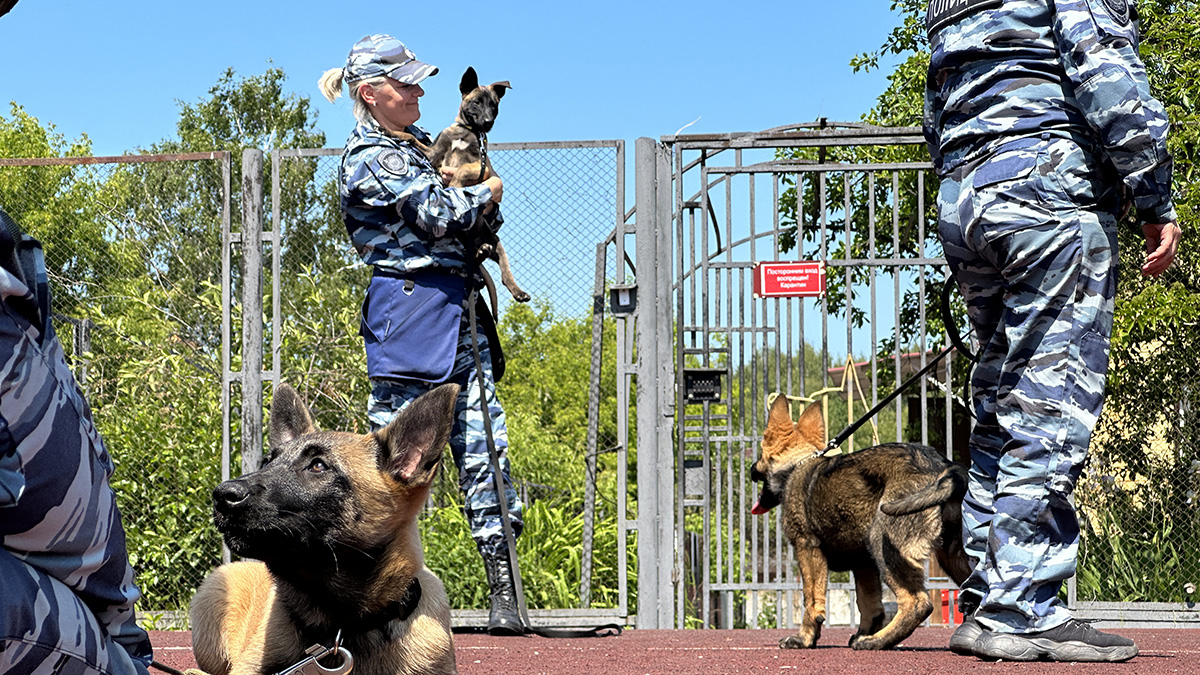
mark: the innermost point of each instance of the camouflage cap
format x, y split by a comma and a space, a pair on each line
380, 55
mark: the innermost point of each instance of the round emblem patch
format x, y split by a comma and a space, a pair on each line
1119, 9
395, 162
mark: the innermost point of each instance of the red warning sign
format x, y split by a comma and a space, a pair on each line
789, 279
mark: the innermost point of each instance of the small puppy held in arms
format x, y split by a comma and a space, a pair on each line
879, 513
331, 523
460, 154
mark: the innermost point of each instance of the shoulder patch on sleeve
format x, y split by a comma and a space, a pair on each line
1118, 10
942, 13
394, 162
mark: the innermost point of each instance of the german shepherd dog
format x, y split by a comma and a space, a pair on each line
460, 154
333, 519
879, 512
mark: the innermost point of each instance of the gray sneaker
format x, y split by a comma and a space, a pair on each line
1074, 640
965, 639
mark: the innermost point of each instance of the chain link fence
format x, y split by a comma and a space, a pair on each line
135, 253
1138, 495
561, 201
130, 249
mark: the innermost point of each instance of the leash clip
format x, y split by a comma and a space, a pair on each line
310, 665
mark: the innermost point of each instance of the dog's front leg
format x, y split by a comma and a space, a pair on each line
506, 275
814, 572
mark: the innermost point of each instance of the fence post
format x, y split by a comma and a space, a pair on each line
656, 517
252, 312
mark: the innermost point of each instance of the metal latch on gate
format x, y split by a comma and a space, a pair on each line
702, 385
622, 299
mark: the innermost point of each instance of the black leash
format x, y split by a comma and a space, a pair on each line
956, 343
502, 499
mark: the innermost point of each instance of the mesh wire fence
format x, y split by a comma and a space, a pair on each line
130, 251
560, 201
133, 251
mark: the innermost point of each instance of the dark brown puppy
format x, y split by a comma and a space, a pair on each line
333, 519
460, 155
878, 512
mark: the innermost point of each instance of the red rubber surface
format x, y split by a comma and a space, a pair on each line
679, 652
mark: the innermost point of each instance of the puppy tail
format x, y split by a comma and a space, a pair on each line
950, 485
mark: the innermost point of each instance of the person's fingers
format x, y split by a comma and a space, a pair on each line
1162, 242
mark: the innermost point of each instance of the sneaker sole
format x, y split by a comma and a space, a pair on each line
965, 639
1015, 648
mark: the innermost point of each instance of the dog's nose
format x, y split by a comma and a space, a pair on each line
230, 495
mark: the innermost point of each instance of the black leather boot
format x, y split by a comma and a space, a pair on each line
504, 618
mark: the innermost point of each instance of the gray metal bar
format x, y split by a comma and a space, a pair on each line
252, 324
593, 429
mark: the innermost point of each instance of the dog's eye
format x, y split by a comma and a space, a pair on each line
318, 465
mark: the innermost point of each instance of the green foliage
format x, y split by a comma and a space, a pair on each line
548, 552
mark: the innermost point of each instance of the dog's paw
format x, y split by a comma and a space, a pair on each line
794, 642
867, 643
522, 297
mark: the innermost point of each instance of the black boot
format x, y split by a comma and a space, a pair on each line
504, 618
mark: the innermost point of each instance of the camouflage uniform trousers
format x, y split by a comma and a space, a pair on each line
1030, 233
468, 438
66, 587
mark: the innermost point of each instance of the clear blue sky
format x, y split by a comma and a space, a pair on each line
617, 70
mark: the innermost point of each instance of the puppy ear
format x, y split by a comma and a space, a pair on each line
500, 87
469, 82
811, 425
289, 416
415, 438
780, 416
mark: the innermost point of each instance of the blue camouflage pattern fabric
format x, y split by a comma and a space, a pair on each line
382, 55
67, 604
397, 210
468, 438
1041, 126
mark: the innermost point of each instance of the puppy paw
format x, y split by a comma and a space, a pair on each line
521, 297
794, 642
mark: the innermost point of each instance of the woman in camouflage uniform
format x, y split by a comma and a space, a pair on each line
406, 224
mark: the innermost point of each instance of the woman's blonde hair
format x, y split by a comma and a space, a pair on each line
330, 85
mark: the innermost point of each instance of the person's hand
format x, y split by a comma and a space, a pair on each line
1162, 241
497, 187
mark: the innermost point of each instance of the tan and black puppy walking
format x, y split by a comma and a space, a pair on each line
460, 154
879, 513
331, 523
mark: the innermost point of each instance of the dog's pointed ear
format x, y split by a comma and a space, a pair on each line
500, 87
811, 424
780, 416
469, 82
414, 440
289, 416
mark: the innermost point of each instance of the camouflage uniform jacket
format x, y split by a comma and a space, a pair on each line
398, 212
1015, 69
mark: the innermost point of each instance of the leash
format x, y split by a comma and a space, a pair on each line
501, 498
956, 343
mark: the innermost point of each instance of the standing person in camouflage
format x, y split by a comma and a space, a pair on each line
66, 586
1042, 128
405, 222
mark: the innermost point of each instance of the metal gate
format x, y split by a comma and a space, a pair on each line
842, 194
